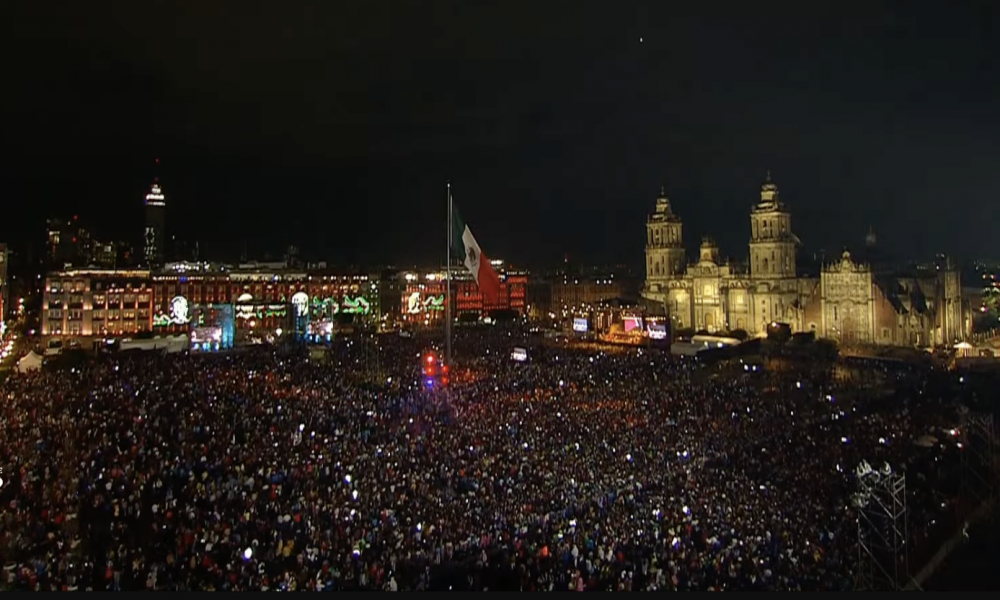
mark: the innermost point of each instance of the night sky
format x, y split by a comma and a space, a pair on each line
335, 125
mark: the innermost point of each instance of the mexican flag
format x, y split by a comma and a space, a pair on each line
464, 243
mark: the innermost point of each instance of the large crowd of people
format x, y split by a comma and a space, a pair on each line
580, 469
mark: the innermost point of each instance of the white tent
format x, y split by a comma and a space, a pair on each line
29, 362
964, 349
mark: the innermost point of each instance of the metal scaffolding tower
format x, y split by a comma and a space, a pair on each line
980, 464
882, 537
372, 357
979, 458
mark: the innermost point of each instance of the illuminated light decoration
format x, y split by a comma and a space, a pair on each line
416, 304
519, 355
358, 305
179, 314
300, 300
434, 303
245, 298
261, 311
327, 307
413, 304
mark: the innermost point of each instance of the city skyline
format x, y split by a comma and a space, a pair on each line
176, 248
556, 131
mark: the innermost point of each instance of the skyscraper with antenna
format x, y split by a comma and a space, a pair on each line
156, 223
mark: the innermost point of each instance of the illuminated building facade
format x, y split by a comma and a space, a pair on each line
265, 303
860, 304
271, 303
88, 303
155, 234
850, 301
423, 297
240, 306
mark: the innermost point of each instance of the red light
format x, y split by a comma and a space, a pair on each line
444, 381
444, 369
430, 358
430, 371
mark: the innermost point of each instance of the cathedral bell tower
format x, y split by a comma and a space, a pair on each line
772, 243
664, 243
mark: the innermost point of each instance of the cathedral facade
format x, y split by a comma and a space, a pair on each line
850, 301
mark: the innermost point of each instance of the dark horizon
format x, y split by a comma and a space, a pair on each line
335, 129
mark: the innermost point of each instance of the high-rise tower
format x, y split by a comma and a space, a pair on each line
772, 243
664, 242
156, 224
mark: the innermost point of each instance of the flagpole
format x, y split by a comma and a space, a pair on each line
447, 302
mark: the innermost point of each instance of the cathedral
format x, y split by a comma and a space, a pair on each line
850, 300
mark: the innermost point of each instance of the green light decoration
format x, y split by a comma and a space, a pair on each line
358, 305
161, 321
272, 311
434, 302
331, 306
